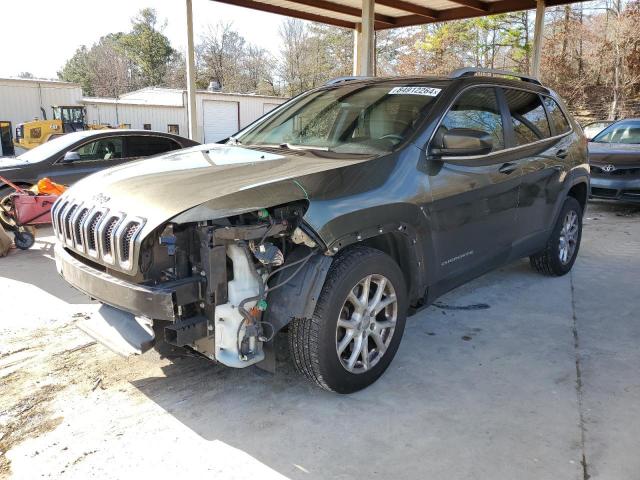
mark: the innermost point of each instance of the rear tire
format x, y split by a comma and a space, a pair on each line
558, 257
357, 324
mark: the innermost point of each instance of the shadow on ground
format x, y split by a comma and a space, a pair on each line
20, 265
453, 369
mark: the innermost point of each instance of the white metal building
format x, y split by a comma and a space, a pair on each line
219, 114
24, 99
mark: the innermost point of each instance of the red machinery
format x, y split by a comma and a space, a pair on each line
27, 208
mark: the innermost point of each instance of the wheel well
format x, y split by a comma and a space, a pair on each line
398, 247
579, 192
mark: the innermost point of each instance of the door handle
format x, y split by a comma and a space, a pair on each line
508, 167
562, 153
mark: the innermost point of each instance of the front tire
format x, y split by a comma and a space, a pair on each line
357, 325
561, 251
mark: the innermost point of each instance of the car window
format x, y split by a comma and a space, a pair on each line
350, 118
558, 120
528, 118
623, 132
104, 149
592, 129
477, 109
146, 146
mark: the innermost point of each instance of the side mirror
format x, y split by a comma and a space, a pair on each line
71, 157
459, 142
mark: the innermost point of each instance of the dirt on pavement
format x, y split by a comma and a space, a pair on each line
48, 365
71, 408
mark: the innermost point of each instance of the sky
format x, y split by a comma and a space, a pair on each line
41, 40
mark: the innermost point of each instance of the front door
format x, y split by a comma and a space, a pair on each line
474, 201
93, 156
6, 143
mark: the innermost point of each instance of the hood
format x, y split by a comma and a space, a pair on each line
11, 162
222, 179
618, 154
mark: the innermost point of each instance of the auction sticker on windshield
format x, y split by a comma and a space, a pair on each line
427, 91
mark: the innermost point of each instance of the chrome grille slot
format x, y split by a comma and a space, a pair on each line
76, 221
108, 234
58, 219
105, 234
91, 233
54, 220
125, 237
67, 225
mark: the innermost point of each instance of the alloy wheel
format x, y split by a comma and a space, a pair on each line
366, 324
568, 237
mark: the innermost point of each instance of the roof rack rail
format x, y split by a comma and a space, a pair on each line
350, 78
471, 71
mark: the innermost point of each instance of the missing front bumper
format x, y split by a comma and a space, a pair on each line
158, 303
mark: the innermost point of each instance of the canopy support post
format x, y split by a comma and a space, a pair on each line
363, 41
538, 38
191, 76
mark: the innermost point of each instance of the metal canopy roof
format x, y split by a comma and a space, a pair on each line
389, 13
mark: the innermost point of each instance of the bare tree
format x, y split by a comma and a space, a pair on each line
227, 59
220, 53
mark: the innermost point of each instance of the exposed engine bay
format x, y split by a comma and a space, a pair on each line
237, 263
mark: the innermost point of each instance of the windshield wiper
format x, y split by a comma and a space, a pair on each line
287, 146
291, 146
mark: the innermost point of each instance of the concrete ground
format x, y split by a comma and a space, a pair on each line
544, 384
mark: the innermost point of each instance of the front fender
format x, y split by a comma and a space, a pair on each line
401, 230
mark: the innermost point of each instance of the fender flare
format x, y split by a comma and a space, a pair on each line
299, 296
575, 179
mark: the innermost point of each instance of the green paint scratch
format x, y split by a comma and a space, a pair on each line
306, 195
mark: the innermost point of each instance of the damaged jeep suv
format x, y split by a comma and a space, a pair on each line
332, 217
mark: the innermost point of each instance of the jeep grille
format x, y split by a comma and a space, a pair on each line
105, 236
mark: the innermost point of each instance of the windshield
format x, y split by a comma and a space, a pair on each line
350, 119
623, 132
49, 148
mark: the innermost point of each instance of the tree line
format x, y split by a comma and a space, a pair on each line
591, 55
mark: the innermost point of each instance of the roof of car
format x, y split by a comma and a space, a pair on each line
108, 132
443, 81
91, 133
627, 120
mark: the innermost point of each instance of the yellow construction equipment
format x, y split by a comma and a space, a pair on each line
66, 119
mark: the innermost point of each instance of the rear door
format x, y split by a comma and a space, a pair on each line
544, 150
474, 200
141, 146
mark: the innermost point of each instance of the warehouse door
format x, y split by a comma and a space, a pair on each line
220, 120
